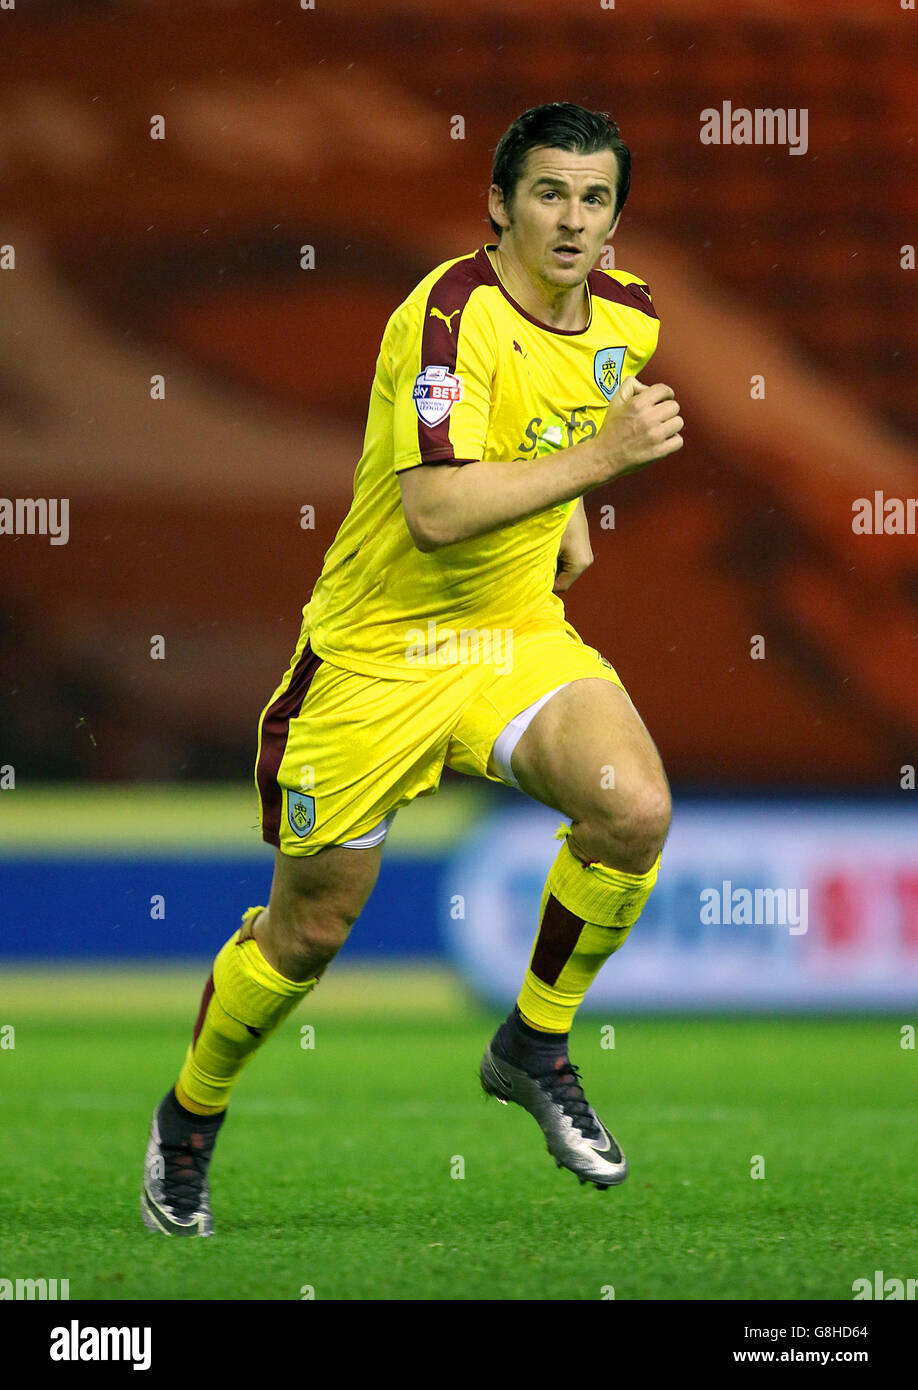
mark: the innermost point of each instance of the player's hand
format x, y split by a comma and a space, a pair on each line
575, 553
642, 424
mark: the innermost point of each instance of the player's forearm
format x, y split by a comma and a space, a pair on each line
448, 503
474, 498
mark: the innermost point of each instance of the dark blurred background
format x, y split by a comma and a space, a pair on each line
288, 127
333, 128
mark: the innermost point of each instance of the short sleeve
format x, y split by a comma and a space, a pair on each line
649, 334
443, 365
645, 333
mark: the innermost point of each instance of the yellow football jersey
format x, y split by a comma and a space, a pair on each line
464, 373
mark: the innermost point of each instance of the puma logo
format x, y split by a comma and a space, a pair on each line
439, 314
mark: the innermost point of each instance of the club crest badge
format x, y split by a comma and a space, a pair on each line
607, 369
301, 813
436, 391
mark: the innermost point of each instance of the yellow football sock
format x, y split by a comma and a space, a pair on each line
535, 1025
586, 913
244, 1001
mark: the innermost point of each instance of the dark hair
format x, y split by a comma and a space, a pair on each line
558, 125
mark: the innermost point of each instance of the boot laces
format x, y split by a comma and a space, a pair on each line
185, 1170
562, 1082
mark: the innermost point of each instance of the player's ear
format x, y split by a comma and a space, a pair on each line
497, 207
612, 228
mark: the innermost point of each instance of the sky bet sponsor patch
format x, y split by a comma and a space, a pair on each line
436, 391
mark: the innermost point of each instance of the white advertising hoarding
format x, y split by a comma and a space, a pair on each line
756, 906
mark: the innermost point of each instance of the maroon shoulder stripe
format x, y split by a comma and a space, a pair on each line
275, 726
440, 341
635, 296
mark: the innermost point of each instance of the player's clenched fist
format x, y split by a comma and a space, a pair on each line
642, 424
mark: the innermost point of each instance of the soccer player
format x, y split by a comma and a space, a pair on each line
506, 388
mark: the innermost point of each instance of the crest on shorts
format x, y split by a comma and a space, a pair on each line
301, 813
607, 369
436, 391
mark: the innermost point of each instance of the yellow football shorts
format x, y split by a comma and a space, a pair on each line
338, 752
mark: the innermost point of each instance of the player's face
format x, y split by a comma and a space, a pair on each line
561, 214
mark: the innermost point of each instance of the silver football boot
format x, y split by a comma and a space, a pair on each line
575, 1136
175, 1197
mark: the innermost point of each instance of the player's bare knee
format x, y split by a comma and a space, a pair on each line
645, 826
299, 937
316, 930
314, 903
630, 834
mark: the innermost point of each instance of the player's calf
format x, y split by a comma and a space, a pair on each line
268, 965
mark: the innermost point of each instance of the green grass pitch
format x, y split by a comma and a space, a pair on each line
335, 1169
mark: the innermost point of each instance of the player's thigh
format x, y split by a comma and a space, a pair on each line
588, 754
